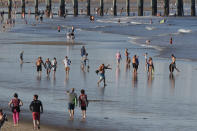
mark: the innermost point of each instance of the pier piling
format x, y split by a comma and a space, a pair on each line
114, 8
140, 7
166, 7
36, 7
128, 7
179, 7
48, 7
88, 7
62, 8
101, 8
75, 6
193, 9
154, 7
9, 9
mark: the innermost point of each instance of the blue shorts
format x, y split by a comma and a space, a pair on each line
71, 106
102, 76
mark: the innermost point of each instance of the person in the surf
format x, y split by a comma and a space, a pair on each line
172, 65
101, 72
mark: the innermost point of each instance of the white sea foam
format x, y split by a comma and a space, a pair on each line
184, 31
150, 28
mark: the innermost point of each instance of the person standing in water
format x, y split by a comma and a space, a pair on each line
21, 57
72, 31
101, 72
15, 104
134, 63
54, 65
58, 28
48, 66
39, 64
36, 108
67, 63
126, 55
171, 40
118, 58
83, 103
172, 66
150, 66
72, 102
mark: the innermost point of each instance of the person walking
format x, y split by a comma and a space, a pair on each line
39, 64
67, 63
101, 72
54, 65
72, 102
118, 58
150, 66
48, 66
83, 103
15, 105
36, 108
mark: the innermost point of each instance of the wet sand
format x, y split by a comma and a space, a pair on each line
51, 43
27, 125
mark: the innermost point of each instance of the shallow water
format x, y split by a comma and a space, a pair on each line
128, 102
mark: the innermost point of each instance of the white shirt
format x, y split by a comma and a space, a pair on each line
66, 62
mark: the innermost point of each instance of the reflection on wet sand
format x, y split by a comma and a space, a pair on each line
117, 75
150, 80
134, 80
172, 80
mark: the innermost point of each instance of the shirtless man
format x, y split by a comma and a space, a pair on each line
39, 63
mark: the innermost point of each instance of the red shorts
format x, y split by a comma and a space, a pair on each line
36, 115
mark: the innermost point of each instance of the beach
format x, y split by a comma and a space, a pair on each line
128, 102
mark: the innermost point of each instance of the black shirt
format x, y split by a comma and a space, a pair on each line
35, 106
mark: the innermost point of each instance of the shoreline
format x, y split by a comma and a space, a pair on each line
67, 43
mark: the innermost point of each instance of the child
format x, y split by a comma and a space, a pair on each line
83, 103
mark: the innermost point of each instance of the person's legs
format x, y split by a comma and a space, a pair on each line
17, 118
70, 113
34, 120
14, 118
104, 81
100, 81
84, 114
